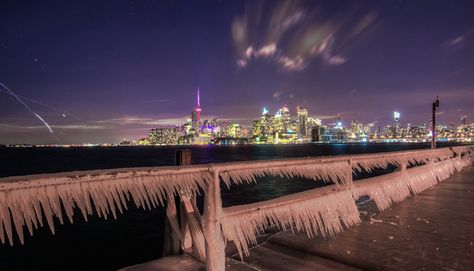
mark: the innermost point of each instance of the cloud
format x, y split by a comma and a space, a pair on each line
336, 60
277, 94
78, 126
457, 40
291, 34
267, 50
293, 19
324, 50
158, 101
5, 127
292, 64
242, 63
145, 121
326, 117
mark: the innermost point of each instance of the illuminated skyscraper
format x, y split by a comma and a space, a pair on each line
196, 114
396, 122
282, 118
302, 120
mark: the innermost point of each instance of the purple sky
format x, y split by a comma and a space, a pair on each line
100, 71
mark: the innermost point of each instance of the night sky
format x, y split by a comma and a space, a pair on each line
100, 71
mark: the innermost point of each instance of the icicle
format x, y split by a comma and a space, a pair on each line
22, 198
386, 190
324, 211
338, 172
412, 157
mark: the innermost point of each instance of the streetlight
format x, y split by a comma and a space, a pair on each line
433, 129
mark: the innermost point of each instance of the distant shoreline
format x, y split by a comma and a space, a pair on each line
230, 145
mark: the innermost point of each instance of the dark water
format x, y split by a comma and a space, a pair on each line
137, 235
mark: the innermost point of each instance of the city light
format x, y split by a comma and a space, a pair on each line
283, 128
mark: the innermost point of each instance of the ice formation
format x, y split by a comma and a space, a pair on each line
388, 189
324, 211
382, 160
337, 171
26, 201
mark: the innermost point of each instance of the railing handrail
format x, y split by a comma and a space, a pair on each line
295, 197
98, 174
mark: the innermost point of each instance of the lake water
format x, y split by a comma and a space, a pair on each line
137, 235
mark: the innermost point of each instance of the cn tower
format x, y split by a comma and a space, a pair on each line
198, 107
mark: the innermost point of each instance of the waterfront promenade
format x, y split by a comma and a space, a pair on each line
433, 230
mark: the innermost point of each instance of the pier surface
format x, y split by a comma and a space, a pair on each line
433, 230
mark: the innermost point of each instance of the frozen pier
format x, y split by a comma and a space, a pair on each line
433, 230
326, 221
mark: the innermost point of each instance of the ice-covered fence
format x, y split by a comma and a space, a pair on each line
23, 199
326, 211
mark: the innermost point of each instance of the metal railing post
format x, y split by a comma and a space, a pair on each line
214, 238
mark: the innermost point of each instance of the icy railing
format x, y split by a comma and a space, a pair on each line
328, 210
27, 200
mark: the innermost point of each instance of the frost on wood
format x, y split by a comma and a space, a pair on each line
24, 200
324, 211
460, 163
461, 150
399, 158
337, 172
393, 188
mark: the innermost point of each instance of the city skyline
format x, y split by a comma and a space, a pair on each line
140, 64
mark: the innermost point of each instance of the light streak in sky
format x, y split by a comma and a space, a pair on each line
29, 109
64, 113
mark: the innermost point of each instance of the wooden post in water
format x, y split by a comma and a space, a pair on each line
433, 129
183, 158
215, 245
184, 234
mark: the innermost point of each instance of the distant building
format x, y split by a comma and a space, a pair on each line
143, 141
164, 136
302, 120
310, 125
316, 132
283, 120
234, 130
125, 142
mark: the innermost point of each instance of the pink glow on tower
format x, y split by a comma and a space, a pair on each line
198, 107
